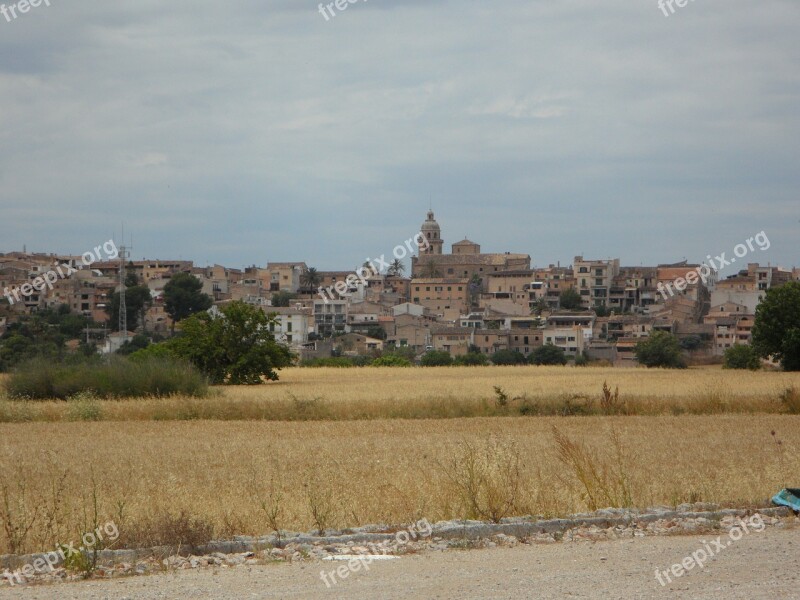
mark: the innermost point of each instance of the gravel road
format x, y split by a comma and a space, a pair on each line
760, 565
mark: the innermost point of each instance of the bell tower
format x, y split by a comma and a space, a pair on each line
433, 234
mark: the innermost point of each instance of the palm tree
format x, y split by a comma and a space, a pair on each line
310, 279
396, 269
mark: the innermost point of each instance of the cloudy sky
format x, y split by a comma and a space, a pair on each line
250, 131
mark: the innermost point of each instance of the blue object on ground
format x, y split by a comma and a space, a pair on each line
789, 497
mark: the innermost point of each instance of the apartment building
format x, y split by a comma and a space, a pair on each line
594, 280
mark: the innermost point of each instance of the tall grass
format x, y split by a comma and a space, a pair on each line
118, 378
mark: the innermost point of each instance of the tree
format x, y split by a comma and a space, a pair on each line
741, 356
377, 332
396, 269
691, 342
569, 299
137, 300
282, 298
548, 354
436, 358
776, 332
539, 306
508, 357
137, 342
234, 347
310, 279
431, 270
661, 349
183, 297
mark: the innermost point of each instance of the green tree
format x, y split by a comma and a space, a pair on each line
137, 342
741, 356
776, 332
183, 297
661, 349
377, 332
548, 355
282, 299
234, 347
436, 358
508, 357
691, 342
137, 300
569, 299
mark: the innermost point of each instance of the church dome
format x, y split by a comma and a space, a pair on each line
430, 224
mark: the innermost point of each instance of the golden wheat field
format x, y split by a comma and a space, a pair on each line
163, 480
446, 392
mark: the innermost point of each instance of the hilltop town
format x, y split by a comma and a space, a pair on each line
461, 301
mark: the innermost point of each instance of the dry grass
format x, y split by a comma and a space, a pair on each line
448, 392
171, 482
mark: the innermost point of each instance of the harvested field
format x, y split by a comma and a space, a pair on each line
176, 481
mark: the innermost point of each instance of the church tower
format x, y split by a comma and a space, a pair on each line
430, 229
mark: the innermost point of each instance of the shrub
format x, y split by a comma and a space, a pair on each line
390, 360
118, 378
548, 355
581, 360
436, 358
741, 357
471, 359
328, 361
508, 357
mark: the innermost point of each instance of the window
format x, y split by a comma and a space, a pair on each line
289, 327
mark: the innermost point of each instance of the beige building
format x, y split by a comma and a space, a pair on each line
594, 279
445, 298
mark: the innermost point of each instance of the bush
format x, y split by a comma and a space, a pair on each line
508, 357
328, 361
390, 360
471, 359
436, 358
581, 360
741, 357
119, 378
548, 355
661, 349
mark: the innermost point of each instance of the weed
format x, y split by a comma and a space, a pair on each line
488, 477
604, 483
610, 404
790, 398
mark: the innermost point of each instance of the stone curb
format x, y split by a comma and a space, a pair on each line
471, 530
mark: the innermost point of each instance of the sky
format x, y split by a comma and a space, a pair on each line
251, 131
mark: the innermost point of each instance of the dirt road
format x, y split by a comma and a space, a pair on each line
760, 565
